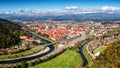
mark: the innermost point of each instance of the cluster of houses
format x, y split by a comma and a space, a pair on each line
60, 30
55, 33
95, 44
69, 29
25, 45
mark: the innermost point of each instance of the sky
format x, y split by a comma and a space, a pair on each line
45, 5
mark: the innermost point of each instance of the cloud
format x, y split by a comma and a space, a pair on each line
69, 10
109, 8
9, 12
104, 9
71, 7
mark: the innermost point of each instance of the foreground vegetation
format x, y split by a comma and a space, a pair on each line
110, 58
68, 59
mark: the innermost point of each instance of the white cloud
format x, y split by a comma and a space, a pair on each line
110, 8
104, 9
71, 7
9, 12
69, 10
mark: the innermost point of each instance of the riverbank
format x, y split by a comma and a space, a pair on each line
68, 59
21, 54
86, 53
33, 57
43, 37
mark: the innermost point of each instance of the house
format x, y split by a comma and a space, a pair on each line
23, 37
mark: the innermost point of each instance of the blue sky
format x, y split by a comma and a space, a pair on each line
55, 4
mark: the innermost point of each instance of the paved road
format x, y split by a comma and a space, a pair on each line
27, 58
87, 48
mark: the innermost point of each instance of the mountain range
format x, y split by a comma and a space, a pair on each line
85, 16
69, 13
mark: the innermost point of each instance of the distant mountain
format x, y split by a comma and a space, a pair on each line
9, 33
85, 16
89, 16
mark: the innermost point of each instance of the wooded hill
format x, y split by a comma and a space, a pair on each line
9, 33
110, 58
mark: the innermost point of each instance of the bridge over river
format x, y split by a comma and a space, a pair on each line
28, 58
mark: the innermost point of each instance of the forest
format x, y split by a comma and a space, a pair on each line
9, 33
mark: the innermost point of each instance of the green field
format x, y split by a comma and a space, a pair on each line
101, 49
68, 59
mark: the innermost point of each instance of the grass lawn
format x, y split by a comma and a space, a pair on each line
68, 59
21, 54
101, 49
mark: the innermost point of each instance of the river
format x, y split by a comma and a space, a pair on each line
31, 57
85, 61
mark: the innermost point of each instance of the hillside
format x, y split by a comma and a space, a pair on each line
9, 33
110, 58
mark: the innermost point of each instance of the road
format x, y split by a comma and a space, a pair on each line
92, 56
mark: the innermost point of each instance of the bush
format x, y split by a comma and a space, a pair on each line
23, 64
